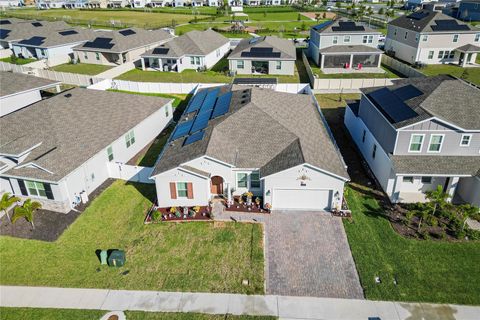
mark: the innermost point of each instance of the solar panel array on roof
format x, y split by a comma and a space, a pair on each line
36, 24
209, 101
99, 43
449, 25
347, 26
322, 25
34, 41
194, 138
67, 32
5, 22
260, 54
222, 105
127, 32
254, 81
182, 129
407, 92
418, 15
391, 106
4, 33
201, 121
261, 49
160, 50
196, 101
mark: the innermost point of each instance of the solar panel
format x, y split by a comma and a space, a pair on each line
194, 138
209, 101
260, 54
391, 106
407, 92
222, 105
67, 32
196, 101
4, 33
254, 40
5, 22
100, 43
201, 121
348, 26
449, 25
160, 50
36, 24
419, 15
127, 32
254, 81
182, 129
322, 25
261, 49
34, 41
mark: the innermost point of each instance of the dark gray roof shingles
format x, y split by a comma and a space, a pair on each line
11, 83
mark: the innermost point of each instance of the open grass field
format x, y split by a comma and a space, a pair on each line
81, 68
196, 256
469, 74
62, 314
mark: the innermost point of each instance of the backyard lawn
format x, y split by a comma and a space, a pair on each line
61, 314
81, 68
197, 256
469, 74
389, 73
18, 61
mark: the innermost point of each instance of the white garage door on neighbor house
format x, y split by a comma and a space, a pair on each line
302, 199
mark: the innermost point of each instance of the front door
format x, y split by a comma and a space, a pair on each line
216, 185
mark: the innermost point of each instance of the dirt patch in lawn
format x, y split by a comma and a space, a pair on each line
312, 15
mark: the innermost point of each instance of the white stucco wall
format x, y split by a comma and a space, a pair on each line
469, 190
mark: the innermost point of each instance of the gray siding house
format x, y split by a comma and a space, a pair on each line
430, 37
263, 55
418, 134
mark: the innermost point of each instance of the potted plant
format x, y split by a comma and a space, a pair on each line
258, 201
249, 196
267, 207
240, 201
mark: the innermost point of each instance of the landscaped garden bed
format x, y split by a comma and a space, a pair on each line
178, 214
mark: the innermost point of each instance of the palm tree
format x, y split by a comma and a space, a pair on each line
437, 198
26, 210
6, 202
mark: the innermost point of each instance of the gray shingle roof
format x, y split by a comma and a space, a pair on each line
11, 83
359, 48
448, 165
54, 37
71, 129
425, 24
122, 43
191, 43
469, 48
24, 29
285, 47
263, 129
445, 97
336, 24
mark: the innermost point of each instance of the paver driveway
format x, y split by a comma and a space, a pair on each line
308, 255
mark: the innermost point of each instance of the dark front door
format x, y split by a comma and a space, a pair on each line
216, 185
445, 186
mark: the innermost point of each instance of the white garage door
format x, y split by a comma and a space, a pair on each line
302, 199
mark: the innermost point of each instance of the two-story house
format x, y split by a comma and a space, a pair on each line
50, 4
469, 10
418, 134
430, 37
344, 44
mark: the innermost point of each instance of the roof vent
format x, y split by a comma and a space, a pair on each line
68, 95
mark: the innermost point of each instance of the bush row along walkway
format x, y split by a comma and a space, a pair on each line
237, 304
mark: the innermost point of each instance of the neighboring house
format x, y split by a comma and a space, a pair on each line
117, 3
73, 141
273, 144
429, 37
213, 3
159, 3
76, 4
10, 3
50, 4
193, 50
55, 46
262, 2
119, 46
412, 4
138, 3
92, 4
18, 90
178, 3
13, 30
469, 10
344, 44
418, 134
263, 55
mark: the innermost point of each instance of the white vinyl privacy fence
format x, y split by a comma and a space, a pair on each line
131, 173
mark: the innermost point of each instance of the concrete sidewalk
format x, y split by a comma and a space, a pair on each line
237, 304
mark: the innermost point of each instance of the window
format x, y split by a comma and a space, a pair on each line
36, 189
197, 60
182, 190
477, 37
85, 55
97, 55
425, 38
455, 38
416, 142
240, 64
430, 54
278, 65
167, 113
435, 143
110, 153
335, 40
426, 180
408, 179
440, 54
192, 60
129, 139
465, 142
374, 152
367, 39
254, 180
416, 37
406, 34
346, 39
452, 55
242, 180
364, 135
447, 53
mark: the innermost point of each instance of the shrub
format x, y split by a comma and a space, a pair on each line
156, 215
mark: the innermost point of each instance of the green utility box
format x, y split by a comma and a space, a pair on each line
116, 258
103, 256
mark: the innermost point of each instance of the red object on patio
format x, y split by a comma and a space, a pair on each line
347, 65
359, 66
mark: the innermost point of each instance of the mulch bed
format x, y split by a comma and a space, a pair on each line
166, 216
254, 208
49, 225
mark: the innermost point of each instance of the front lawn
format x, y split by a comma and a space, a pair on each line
469, 74
197, 256
81, 68
19, 61
426, 270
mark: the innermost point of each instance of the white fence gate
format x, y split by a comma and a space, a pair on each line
128, 172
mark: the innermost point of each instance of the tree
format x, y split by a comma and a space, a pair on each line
299, 17
26, 210
317, 16
324, 3
6, 202
437, 199
380, 11
338, 4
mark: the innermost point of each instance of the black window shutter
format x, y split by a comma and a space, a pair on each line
48, 190
23, 189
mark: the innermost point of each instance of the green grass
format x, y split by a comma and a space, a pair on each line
192, 256
427, 271
178, 98
81, 68
62, 314
333, 101
389, 73
469, 74
18, 61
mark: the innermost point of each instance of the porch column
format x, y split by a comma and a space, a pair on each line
452, 187
58, 88
396, 189
322, 61
464, 62
351, 61
143, 63
229, 194
379, 61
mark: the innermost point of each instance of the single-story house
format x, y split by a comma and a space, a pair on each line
119, 46
13, 30
73, 141
18, 90
233, 139
193, 50
263, 55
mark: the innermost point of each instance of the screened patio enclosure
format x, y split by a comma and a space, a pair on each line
348, 57
260, 67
